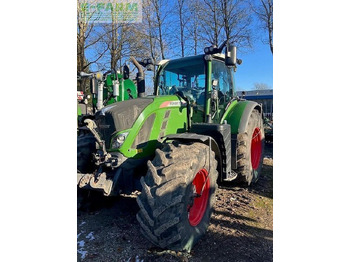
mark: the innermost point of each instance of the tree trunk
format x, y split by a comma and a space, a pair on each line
114, 45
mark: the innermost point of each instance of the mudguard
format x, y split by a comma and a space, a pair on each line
187, 137
237, 115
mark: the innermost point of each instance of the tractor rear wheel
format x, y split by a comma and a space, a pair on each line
178, 195
250, 149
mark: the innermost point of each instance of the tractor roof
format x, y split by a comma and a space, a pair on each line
188, 58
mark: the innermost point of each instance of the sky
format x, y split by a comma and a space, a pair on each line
255, 68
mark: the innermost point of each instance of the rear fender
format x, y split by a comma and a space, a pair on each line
238, 113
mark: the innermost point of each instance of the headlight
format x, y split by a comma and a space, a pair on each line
118, 141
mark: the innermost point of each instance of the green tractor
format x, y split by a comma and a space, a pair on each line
175, 146
106, 88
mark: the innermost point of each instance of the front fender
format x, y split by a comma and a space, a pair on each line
208, 140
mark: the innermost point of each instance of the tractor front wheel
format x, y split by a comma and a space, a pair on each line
178, 195
85, 149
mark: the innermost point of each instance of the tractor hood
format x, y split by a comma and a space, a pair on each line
143, 121
119, 116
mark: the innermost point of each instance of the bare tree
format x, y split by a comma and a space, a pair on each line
211, 24
149, 29
264, 11
236, 20
115, 38
182, 19
84, 29
194, 23
84, 32
113, 43
160, 15
88, 36
225, 20
124, 41
261, 86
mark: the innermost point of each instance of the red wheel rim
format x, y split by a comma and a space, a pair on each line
255, 150
199, 206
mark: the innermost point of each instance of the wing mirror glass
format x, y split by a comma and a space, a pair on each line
230, 55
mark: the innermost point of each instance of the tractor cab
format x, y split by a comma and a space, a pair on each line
205, 80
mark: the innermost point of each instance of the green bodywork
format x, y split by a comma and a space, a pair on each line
233, 114
175, 122
170, 114
208, 87
79, 110
127, 89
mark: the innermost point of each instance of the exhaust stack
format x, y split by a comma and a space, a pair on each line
140, 78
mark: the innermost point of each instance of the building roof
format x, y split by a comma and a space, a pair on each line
257, 94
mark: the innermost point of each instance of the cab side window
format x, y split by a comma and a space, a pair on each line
222, 80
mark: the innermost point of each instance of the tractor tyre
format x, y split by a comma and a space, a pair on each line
172, 214
250, 150
85, 148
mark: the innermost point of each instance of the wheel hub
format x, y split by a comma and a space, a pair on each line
200, 202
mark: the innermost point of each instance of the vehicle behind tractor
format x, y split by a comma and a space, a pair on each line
175, 146
106, 88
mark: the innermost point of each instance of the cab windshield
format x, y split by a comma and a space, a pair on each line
186, 75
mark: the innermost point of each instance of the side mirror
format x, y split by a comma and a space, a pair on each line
230, 55
126, 72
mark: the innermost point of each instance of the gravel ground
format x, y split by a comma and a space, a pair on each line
241, 227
